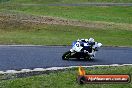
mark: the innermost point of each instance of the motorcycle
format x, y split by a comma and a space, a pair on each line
78, 51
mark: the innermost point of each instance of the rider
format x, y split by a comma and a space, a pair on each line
92, 43
88, 46
95, 46
85, 44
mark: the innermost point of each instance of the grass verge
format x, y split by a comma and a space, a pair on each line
67, 79
84, 13
14, 32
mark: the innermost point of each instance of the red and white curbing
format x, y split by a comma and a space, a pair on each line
53, 69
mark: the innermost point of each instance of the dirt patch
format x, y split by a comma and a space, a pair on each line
22, 18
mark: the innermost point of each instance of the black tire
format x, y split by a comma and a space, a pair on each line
78, 58
66, 55
87, 58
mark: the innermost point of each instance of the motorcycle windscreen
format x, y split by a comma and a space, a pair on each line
74, 43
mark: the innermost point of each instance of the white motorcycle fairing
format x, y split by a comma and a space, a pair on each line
76, 48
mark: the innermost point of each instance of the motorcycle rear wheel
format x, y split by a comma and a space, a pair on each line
66, 55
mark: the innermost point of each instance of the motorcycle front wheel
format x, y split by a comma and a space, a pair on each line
66, 55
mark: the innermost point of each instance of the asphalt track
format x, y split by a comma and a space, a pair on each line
30, 57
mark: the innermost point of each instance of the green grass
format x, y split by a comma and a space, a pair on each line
62, 1
83, 13
18, 33
67, 79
